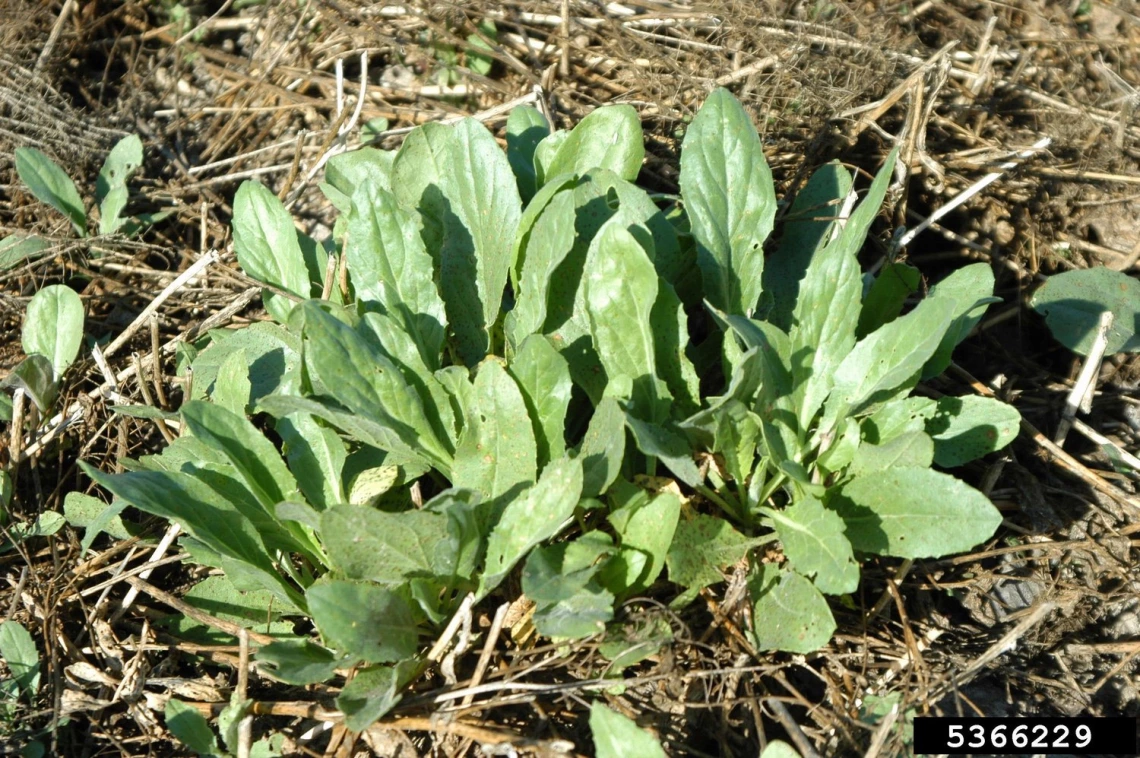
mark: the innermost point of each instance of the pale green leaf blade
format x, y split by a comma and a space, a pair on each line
897, 417
827, 311
17, 248
620, 290
416, 172
387, 548
730, 199
1072, 302
648, 525
616, 736
51, 185
609, 137
111, 184
497, 453
667, 445
203, 514
526, 127
814, 542
701, 548
550, 241
789, 613
913, 448
891, 357
267, 247
36, 376
779, 749
373, 692
191, 728
53, 326
390, 266
544, 379
363, 620
18, 650
316, 458
272, 358
603, 448
884, 302
966, 428
94, 517
298, 662
534, 516
671, 330
914, 513
807, 227
231, 385
360, 377
253, 456
971, 290
479, 232
348, 172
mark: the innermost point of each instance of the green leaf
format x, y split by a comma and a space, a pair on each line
559, 572
647, 525
373, 692
347, 173
914, 513
36, 377
585, 613
667, 445
884, 301
232, 386
497, 453
390, 266
363, 619
400, 348
620, 290
111, 184
671, 330
633, 642
298, 662
316, 457
254, 457
1072, 302
17, 248
202, 513
966, 428
808, 225
890, 358
896, 418
616, 736
730, 199
53, 326
701, 548
416, 172
526, 127
386, 548
535, 515
789, 613
544, 379
544, 154
6, 493
827, 311
479, 231
191, 728
550, 241
51, 185
359, 376
272, 360
609, 137
970, 290
909, 449
779, 749
45, 525
18, 650
735, 437
267, 247
94, 517
258, 610
814, 543
603, 448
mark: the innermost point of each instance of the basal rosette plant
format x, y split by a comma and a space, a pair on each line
521, 359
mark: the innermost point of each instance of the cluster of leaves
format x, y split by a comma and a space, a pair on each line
523, 346
50, 184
